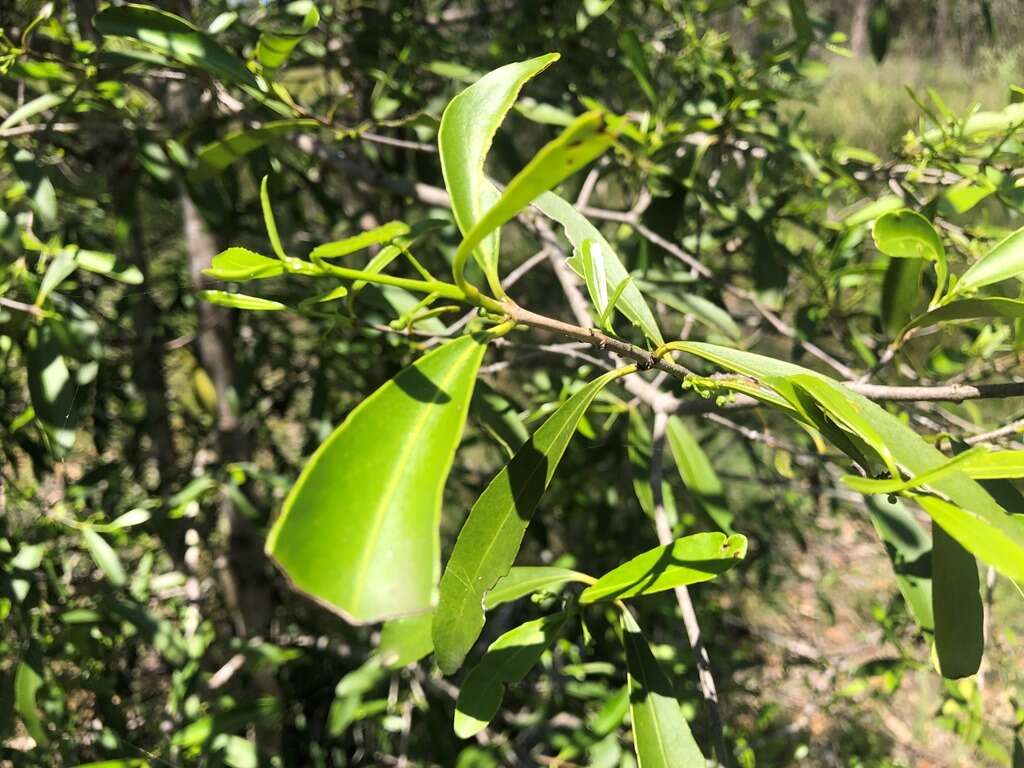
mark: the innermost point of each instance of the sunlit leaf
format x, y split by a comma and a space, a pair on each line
507, 661
241, 264
689, 560
359, 530
579, 230
240, 301
661, 735
464, 139
909, 549
586, 138
1004, 260
489, 540
214, 157
525, 580
105, 557
697, 474
173, 37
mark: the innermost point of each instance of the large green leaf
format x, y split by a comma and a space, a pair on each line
173, 37
900, 288
661, 735
586, 138
507, 661
579, 231
489, 540
689, 560
956, 605
1004, 260
697, 474
909, 549
973, 518
214, 157
464, 138
359, 530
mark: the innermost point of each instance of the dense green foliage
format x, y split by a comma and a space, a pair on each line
378, 379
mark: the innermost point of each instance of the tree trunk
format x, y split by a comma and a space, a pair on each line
859, 28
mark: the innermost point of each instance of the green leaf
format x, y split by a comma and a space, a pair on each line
359, 530
873, 210
697, 474
585, 139
464, 139
213, 158
404, 641
526, 580
109, 265
173, 37
971, 309
507, 661
704, 311
32, 108
275, 45
489, 540
105, 557
907, 235
50, 386
977, 463
636, 62
62, 265
268, 220
383, 234
579, 230
910, 550
661, 735
241, 301
27, 682
689, 560
956, 604
131, 518
1003, 261
999, 541
241, 264
900, 288
985, 530
499, 417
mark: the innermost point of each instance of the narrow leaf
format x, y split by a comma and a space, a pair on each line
359, 530
585, 139
464, 139
525, 580
578, 230
105, 557
269, 221
689, 560
173, 37
241, 264
971, 309
956, 603
910, 550
213, 158
489, 540
1004, 260
241, 301
697, 474
661, 735
383, 234
507, 661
